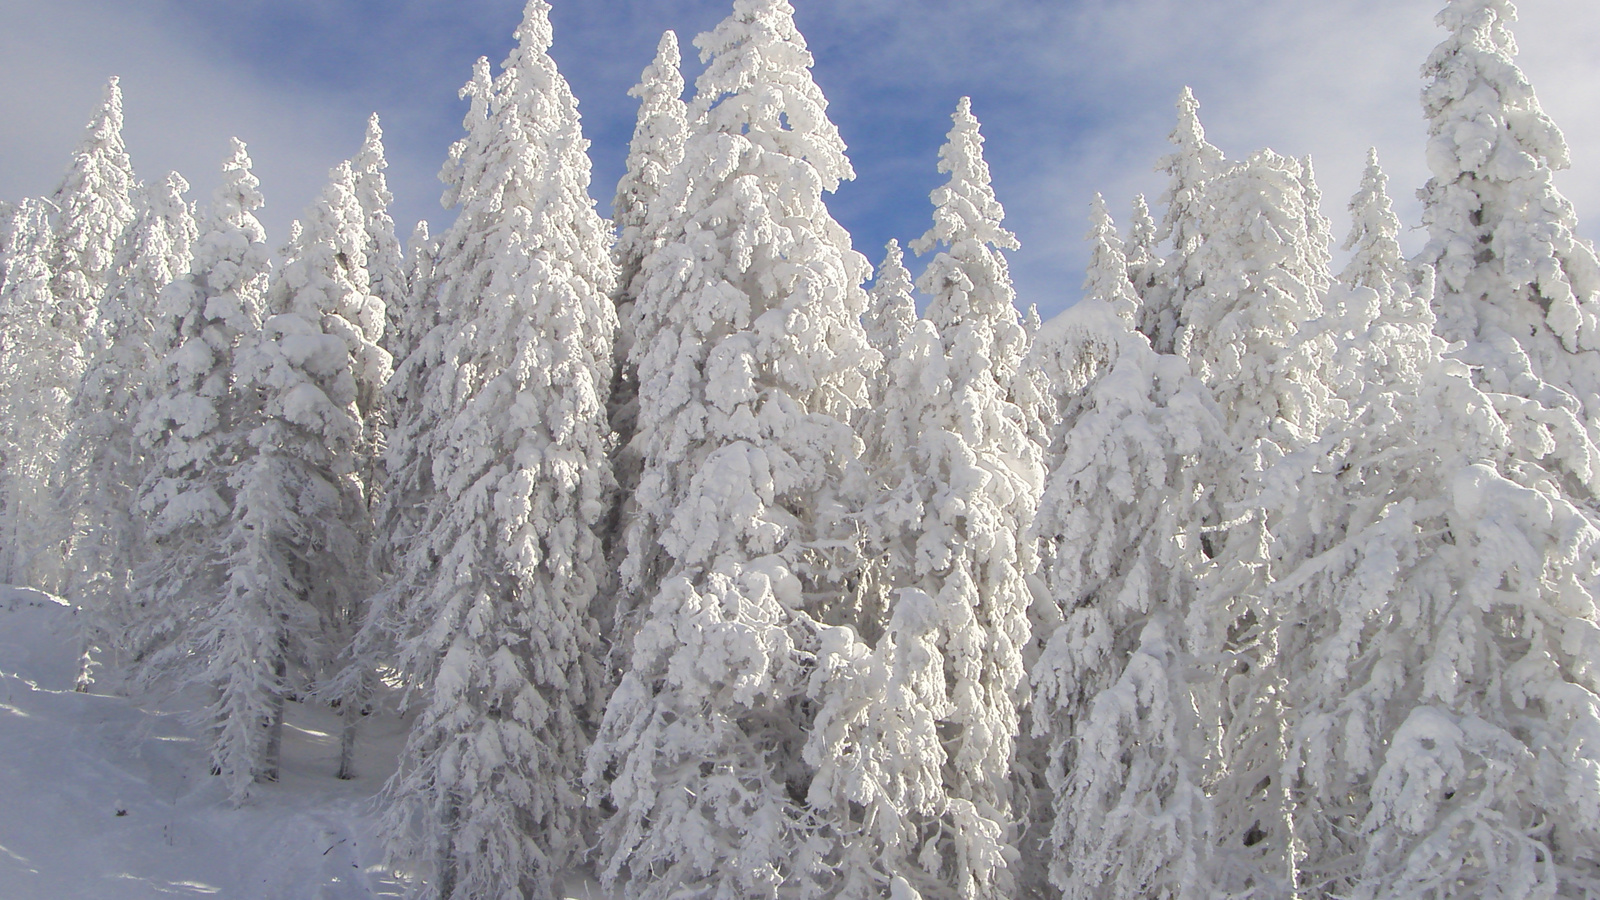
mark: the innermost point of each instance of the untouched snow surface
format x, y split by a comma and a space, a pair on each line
100, 798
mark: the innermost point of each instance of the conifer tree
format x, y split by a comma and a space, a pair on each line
407, 470
497, 639
656, 149
1194, 163
386, 263
891, 314
749, 348
101, 463
310, 381
32, 345
1515, 283
194, 430
94, 208
1246, 338
91, 210
1144, 264
1447, 766
1127, 813
970, 477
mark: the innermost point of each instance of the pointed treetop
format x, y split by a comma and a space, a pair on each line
657, 146
965, 208
1107, 278
664, 71
758, 83
535, 34
370, 157
1479, 53
1319, 231
1195, 161
891, 310
1376, 262
239, 194
1141, 230
105, 129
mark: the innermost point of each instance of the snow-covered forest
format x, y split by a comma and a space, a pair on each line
706, 558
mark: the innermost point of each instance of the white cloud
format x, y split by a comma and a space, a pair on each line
1076, 97
183, 99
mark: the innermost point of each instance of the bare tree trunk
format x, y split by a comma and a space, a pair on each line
352, 710
274, 749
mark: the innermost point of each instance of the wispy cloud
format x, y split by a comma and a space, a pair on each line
1075, 97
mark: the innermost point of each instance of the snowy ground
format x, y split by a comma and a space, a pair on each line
100, 798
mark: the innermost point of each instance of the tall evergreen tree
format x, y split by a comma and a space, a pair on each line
310, 381
1454, 765
1515, 283
970, 477
194, 430
92, 208
749, 348
1246, 335
33, 343
656, 149
498, 643
386, 265
1126, 814
101, 463
1188, 168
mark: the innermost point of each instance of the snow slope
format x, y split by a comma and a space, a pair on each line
100, 798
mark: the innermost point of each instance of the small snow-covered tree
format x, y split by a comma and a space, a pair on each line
407, 469
101, 463
1117, 528
386, 262
1144, 261
1515, 283
95, 207
194, 430
749, 349
890, 318
497, 639
1194, 163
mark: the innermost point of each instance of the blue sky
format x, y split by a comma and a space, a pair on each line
1074, 95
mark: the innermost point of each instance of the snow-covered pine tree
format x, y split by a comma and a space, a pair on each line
1453, 766
1127, 815
407, 468
1144, 264
750, 354
890, 317
193, 430
101, 463
888, 322
387, 267
1515, 283
498, 642
95, 207
1194, 163
969, 482
32, 343
1245, 333
311, 381
656, 149
92, 209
